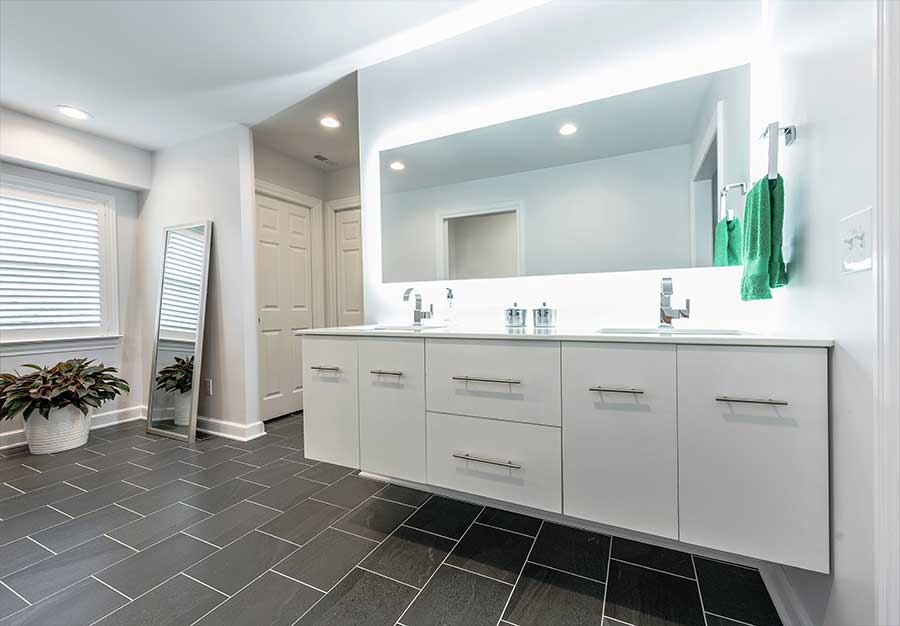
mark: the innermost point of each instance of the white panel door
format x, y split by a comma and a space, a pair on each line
348, 267
284, 299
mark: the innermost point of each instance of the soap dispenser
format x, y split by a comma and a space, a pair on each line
450, 311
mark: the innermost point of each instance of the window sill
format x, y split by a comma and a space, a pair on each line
58, 344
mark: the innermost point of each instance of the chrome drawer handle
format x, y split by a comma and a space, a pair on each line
465, 456
386, 373
325, 368
752, 400
617, 390
473, 379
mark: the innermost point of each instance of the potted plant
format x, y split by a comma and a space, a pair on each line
177, 379
63, 397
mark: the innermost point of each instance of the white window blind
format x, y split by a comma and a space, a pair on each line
54, 263
182, 282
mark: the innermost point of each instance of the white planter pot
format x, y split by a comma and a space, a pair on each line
183, 409
66, 428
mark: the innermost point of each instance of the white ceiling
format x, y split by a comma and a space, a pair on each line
296, 131
154, 73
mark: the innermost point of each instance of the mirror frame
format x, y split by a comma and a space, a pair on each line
198, 343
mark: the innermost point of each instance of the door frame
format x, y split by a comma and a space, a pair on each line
715, 132
331, 208
442, 234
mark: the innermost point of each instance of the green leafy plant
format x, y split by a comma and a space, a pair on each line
76, 382
177, 377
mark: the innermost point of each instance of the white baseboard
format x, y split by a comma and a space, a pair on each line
16, 438
230, 430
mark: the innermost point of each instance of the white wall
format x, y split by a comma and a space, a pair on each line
37, 143
123, 353
211, 178
342, 183
821, 80
482, 246
279, 169
575, 216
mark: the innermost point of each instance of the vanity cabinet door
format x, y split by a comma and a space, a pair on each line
753, 452
620, 450
392, 407
330, 399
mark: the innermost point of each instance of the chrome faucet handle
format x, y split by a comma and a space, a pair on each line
666, 288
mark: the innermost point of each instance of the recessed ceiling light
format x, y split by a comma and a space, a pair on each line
329, 121
75, 114
397, 166
568, 129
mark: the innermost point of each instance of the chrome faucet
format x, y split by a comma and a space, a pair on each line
418, 313
666, 312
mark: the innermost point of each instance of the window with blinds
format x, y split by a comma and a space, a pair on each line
55, 262
182, 283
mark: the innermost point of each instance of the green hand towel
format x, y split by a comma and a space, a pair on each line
729, 243
763, 231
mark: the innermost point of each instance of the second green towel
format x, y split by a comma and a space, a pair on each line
763, 231
729, 243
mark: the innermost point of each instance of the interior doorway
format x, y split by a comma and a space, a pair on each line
343, 243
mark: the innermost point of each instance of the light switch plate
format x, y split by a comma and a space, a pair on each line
855, 241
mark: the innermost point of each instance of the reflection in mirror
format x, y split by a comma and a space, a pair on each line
172, 407
630, 182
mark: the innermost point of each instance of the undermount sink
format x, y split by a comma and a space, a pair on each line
408, 327
671, 331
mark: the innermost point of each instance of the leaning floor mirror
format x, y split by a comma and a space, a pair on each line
175, 372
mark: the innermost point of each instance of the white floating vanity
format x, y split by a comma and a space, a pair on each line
715, 441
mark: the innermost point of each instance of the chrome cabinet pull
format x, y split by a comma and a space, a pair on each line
474, 379
325, 368
617, 390
465, 456
752, 400
386, 373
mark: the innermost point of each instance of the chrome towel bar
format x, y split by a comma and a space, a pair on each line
752, 400
465, 456
473, 379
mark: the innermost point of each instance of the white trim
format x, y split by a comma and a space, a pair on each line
49, 346
14, 438
442, 247
332, 207
715, 130
230, 430
887, 331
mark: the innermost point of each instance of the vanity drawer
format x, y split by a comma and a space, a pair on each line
330, 400
518, 463
392, 407
508, 380
753, 452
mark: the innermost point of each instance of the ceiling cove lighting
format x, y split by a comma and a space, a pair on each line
568, 129
397, 166
329, 121
75, 114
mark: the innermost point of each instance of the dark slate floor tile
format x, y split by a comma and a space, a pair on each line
304, 521
457, 598
264, 456
326, 472
20, 554
114, 433
10, 602
444, 516
116, 458
123, 471
45, 462
350, 491
82, 603
223, 496
510, 521
58, 572
163, 475
23, 503
218, 474
55, 475
121, 444
161, 497
638, 595
81, 529
664, 559
572, 550
235, 566
403, 495
16, 472
157, 526
272, 600
207, 444
287, 493
28, 523
492, 552
159, 445
150, 567
718, 620
409, 555
217, 456
98, 498
256, 444
300, 457
274, 472
361, 599
293, 442
546, 597
168, 457
177, 602
735, 592
326, 559
7, 492
235, 521
375, 519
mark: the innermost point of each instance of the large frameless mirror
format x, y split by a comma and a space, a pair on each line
175, 372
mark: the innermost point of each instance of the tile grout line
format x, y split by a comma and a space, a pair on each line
347, 532
515, 532
463, 569
209, 543
53, 552
562, 571
15, 488
186, 575
119, 542
729, 618
652, 569
296, 580
111, 587
428, 532
521, 570
81, 489
366, 569
699, 593
50, 506
18, 596
606, 586
262, 532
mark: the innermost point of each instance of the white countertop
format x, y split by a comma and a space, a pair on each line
572, 334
